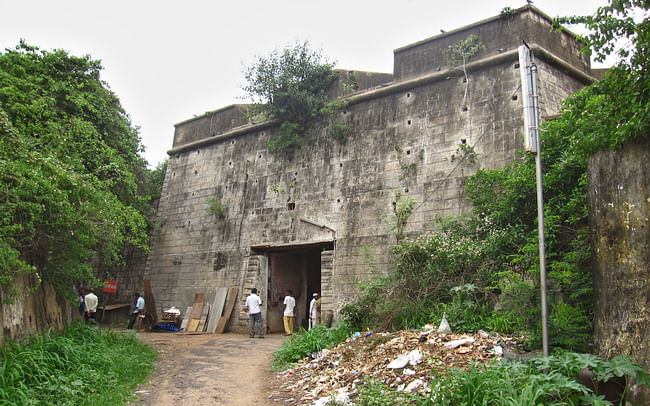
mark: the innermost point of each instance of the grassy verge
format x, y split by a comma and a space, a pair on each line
304, 343
80, 366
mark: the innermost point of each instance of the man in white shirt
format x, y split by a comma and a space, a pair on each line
313, 311
139, 308
90, 303
253, 304
289, 304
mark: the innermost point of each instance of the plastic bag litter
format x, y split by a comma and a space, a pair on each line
414, 357
444, 325
457, 343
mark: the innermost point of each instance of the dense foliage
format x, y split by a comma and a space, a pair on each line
70, 170
290, 87
81, 366
496, 250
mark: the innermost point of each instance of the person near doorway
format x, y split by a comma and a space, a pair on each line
289, 304
139, 309
253, 305
312, 311
317, 305
90, 303
82, 302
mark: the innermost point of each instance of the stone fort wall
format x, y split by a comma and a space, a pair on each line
408, 131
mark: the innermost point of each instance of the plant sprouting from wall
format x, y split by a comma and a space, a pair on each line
465, 152
460, 53
402, 210
217, 208
286, 192
507, 13
290, 87
408, 168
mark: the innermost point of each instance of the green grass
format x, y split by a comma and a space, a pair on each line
80, 366
304, 343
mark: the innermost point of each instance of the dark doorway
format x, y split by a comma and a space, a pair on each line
295, 269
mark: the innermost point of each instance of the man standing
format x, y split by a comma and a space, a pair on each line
139, 308
312, 311
90, 303
253, 303
289, 304
82, 302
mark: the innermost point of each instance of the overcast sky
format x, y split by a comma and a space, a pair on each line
168, 61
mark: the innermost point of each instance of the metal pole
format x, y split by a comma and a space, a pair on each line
540, 211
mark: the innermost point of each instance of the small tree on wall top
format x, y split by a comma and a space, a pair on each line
290, 86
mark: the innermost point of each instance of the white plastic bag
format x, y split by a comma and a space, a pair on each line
444, 325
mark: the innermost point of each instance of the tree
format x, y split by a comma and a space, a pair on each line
290, 87
70, 169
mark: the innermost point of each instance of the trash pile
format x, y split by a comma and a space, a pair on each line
402, 360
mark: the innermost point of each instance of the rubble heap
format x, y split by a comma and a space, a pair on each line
404, 360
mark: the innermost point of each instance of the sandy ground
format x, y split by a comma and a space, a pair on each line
209, 369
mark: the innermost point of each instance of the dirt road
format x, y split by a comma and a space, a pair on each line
209, 369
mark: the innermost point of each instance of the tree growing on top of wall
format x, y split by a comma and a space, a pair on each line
290, 87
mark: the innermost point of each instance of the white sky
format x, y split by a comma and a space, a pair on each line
168, 61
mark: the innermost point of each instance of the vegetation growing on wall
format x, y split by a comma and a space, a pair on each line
72, 176
217, 208
290, 87
496, 248
460, 53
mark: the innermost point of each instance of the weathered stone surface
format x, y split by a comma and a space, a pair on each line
407, 136
36, 309
619, 217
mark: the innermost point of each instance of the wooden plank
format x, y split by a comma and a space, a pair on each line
216, 309
223, 320
194, 323
197, 310
197, 307
150, 302
186, 318
204, 318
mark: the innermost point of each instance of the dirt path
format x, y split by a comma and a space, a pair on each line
209, 369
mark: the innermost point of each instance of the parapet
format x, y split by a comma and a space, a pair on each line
499, 34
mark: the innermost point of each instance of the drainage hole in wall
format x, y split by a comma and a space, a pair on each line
341, 165
408, 95
409, 122
196, 172
291, 206
406, 190
463, 141
338, 200
516, 66
408, 152
464, 108
232, 142
514, 97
